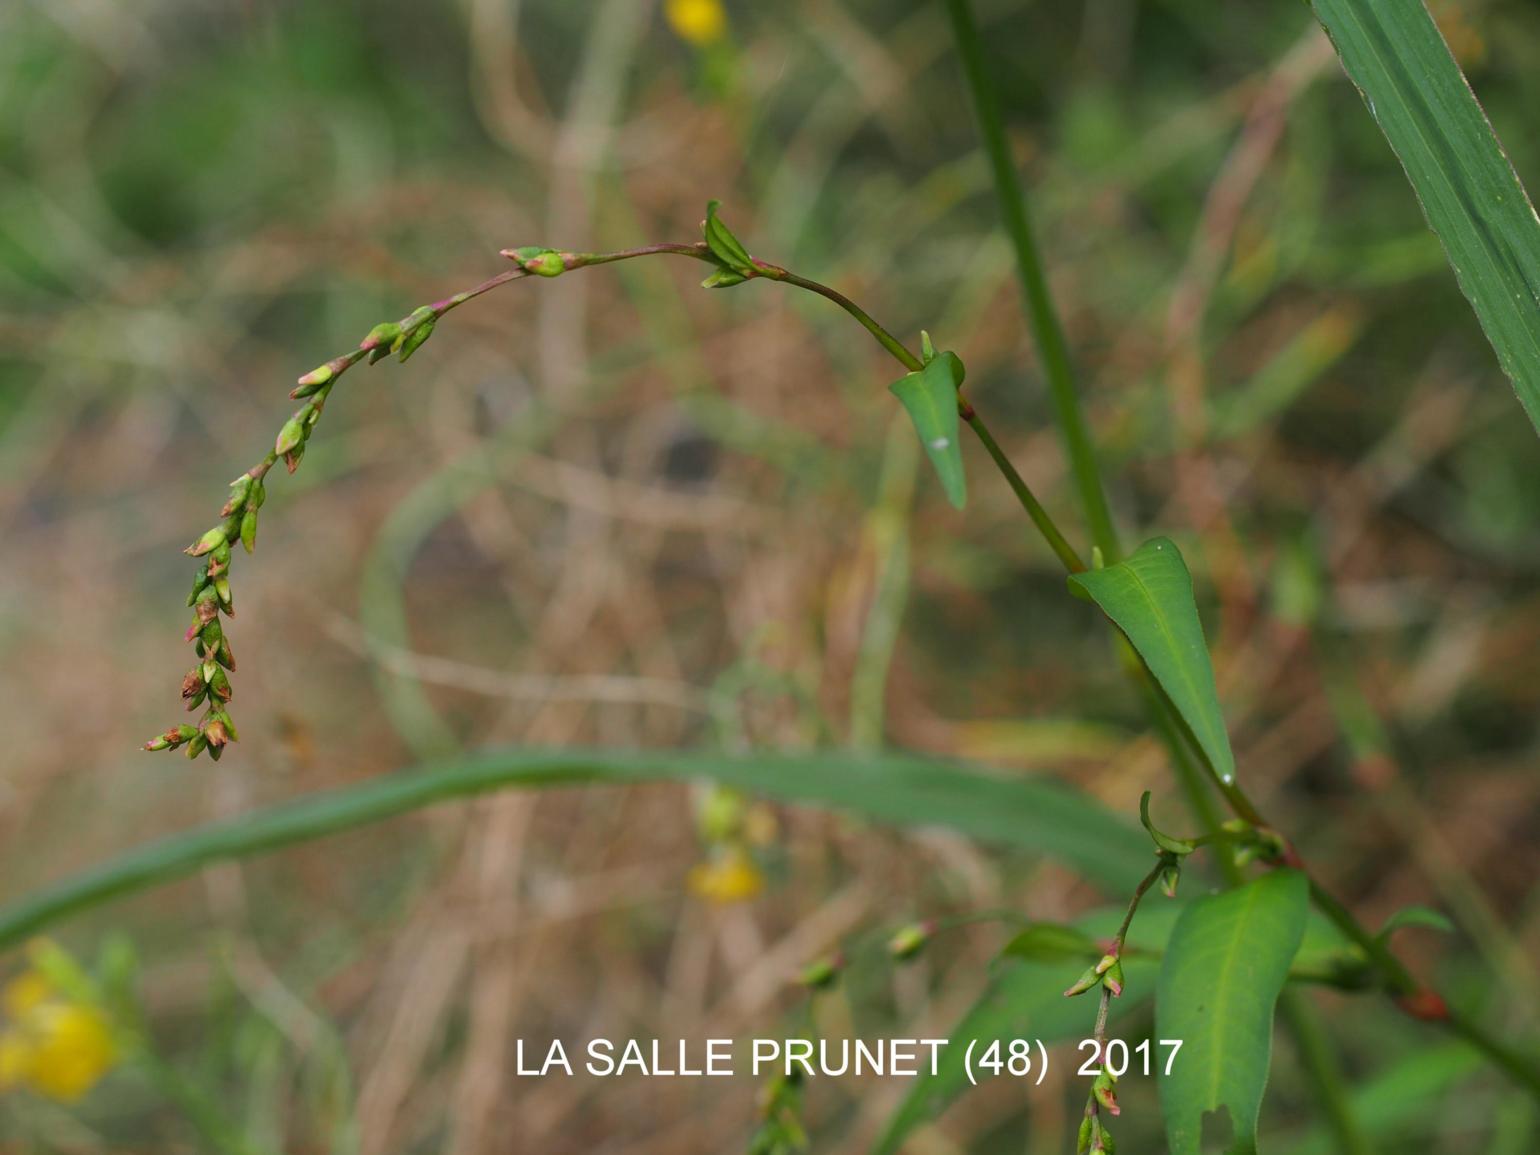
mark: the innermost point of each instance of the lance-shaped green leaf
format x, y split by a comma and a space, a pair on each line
724, 246
930, 397
1223, 968
1149, 597
1470, 194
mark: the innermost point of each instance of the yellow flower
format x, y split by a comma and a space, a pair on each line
52, 1044
731, 875
700, 22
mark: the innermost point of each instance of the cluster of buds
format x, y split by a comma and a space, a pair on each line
780, 1130
207, 684
1094, 1138
1106, 971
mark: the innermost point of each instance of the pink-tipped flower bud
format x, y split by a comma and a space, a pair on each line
207, 542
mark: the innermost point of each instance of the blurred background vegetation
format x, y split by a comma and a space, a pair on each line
618, 510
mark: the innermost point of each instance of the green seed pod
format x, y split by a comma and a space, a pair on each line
210, 636
197, 745
224, 655
292, 458
1083, 1139
226, 598
249, 530
258, 496
380, 339
219, 685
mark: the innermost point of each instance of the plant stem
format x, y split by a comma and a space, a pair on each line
1040, 516
1320, 1066
1044, 319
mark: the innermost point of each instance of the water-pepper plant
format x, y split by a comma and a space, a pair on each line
1234, 944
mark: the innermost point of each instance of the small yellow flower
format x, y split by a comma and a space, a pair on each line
731, 875
699, 22
52, 1045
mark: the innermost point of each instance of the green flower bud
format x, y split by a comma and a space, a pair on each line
537, 261
380, 339
200, 582
911, 940
1083, 1139
291, 436
197, 745
249, 530
219, 685
822, 974
292, 458
226, 598
224, 655
239, 488
206, 543
415, 340
1104, 1094
1091, 977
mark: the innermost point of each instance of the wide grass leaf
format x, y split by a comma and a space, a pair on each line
930, 397
1471, 196
1026, 813
1227, 960
1149, 597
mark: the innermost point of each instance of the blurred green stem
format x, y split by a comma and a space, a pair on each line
1044, 319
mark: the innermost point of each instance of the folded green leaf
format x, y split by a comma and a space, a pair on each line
1423, 916
930, 397
1149, 597
1469, 192
724, 246
1223, 968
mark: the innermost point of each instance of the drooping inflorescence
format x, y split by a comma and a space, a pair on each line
207, 684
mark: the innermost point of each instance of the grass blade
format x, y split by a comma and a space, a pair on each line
1032, 814
1471, 196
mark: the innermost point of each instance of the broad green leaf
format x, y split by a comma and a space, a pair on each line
1469, 192
1223, 968
1149, 597
1024, 999
1030, 814
930, 397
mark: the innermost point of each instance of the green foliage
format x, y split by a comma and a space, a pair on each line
1469, 192
930, 398
1223, 968
1029, 814
1149, 597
